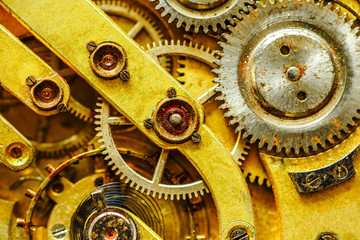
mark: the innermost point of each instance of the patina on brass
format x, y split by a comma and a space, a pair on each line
21, 63
16, 152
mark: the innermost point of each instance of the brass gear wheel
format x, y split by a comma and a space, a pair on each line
289, 78
204, 14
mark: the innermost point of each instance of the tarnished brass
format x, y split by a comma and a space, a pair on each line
108, 60
18, 63
16, 152
315, 211
175, 119
209, 156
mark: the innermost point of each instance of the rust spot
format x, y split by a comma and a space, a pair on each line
315, 139
276, 142
336, 123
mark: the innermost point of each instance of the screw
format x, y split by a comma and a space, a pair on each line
125, 75
313, 180
340, 172
171, 92
61, 107
148, 123
196, 137
30, 80
327, 237
239, 234
58, 231
91, 46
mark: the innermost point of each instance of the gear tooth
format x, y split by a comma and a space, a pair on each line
154, 194
217, 63
165, 197
178, 197
137, 187
187, 28
217, 72
201, 192
172, 18
166, 42
178, 24
132, 184
121, 176
214, 27
261, 181
337, 10
189, 195
268, 183
142, 190
171, 197
196, 194
261, 143
218, 53
345, 17
356, 30
252, 178
127, 180
160, 195
148, 192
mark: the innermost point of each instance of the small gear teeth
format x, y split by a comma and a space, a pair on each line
206, 20
119, 166
235, 42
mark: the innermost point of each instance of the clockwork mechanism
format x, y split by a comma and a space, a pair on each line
179, 119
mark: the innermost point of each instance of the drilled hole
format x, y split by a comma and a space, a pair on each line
301, 95
16, 152
285, 50
58, 187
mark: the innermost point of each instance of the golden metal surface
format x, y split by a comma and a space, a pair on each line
209, 156
65, 27
18, 63
306, 216
16, 152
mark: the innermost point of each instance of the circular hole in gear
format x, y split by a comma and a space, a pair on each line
17, 154
285, 50
58, 187
301, 95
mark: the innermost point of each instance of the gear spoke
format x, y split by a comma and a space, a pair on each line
160, 166
209, 94
136, 30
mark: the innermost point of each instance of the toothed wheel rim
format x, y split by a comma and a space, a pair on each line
139, 182
252, 57
201, 14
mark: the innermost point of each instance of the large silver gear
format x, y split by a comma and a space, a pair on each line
115, 160
289, 76
201, 14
